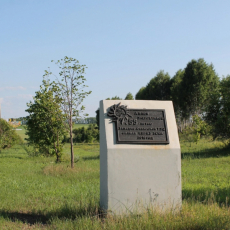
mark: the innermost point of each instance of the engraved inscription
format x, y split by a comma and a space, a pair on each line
139, 126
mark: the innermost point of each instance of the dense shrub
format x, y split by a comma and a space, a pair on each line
198, 128
8, 136
86, 135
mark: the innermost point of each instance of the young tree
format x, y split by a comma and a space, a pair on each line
129, 96
46, 122
71, 90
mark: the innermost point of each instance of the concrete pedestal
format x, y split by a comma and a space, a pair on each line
134, 177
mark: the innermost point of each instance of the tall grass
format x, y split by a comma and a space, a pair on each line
37, 193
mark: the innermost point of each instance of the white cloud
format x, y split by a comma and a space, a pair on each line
34, 87
12, 88
15, 105
17, 98
1, 100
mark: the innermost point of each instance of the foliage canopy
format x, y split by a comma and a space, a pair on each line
218, 110
129, 96
199, 80
158, 88
46, 122
71, 91
8, 136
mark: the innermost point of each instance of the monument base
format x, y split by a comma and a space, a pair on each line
134, 177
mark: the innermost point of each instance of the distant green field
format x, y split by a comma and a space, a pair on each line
75, 126
22, 134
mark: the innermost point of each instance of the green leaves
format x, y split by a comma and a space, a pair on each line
198, 82
129, 96
46, 122
218, 110
8, 136
70, 91
158, 88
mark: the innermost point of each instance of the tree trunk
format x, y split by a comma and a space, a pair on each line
58, 160
56, 152
71, 143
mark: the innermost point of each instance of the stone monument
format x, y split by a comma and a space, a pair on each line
140, 158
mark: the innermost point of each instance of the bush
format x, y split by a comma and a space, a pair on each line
8, 136
198, 129
86, 135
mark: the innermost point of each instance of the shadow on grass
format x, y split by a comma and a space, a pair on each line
10, 156
91, 158
207, 153
206, 196
24, 218
65, 212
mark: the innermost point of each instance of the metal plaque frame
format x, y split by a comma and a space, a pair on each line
139, 126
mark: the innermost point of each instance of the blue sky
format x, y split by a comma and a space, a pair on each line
123, 43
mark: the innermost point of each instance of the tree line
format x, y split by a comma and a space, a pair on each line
200, 98
197, 91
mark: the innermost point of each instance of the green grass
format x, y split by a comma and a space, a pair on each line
22, 132
205, 171
37, 193
76, 126
40, 189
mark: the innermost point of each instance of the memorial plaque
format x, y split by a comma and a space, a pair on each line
140, 169
139, 126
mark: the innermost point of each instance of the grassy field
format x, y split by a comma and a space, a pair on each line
21, 132
75, 126
37, 193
